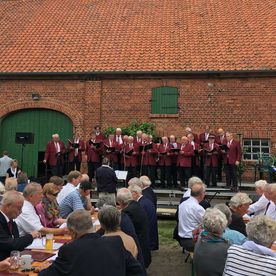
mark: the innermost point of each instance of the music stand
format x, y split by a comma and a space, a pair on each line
23, 138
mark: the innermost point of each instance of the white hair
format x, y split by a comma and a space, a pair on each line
2, 188
194, 180
261, 184
261, 230
135, 181
118, 129
214, 221
124, 195
55, 135
135, 188
239, 199
145, 181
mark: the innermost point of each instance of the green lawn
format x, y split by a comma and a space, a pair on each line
165, 229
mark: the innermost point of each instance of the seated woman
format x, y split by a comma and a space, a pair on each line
110, 219
48, 208
13, 171
239, 205
254, 257
232, 236
211, 248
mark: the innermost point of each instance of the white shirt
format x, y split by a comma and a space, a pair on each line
187, 193
28, 221
271, 211
5, 163
66, 190
190, 216
259, 206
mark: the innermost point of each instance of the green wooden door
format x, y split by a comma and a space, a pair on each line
42, 123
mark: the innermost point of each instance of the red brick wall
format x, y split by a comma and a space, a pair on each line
242, 105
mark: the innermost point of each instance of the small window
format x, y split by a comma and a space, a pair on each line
164, 100
253, 149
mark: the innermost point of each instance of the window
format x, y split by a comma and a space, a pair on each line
253, 149
164, 100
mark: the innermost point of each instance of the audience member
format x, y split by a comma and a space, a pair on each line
29, 219
5, 163
147, 190
110, 219
139, 219
106, 180
73, 178
11, 184
126, 226
271, 206
190, 216
22, 181
239, 205
211, 248
78, 199
254, 257
10, 209
232, 236
150, 210
48, 208
58, 181
2, 191
13, 170
259, 206
107, 254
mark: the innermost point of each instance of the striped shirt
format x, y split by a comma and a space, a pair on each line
73, 201
242, 262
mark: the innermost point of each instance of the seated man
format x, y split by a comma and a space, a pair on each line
11, 207
190, 216
73, 178
76, 200
89, 253
29, 220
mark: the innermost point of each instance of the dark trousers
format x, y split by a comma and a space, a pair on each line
210, 172
92, 167
150, 172
2, 179
231, 175
187, 244
131, 172
174, 174
75, 164
57, 170
184, 175
166, 176
220, 166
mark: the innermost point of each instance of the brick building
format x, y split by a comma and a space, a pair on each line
174, 63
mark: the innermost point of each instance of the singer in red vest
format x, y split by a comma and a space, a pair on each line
54, 155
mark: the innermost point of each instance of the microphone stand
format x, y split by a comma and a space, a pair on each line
142, 159
213, 196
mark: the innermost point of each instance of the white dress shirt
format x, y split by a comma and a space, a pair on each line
28, 221
190, 216
271, 210
258, 208
66, 190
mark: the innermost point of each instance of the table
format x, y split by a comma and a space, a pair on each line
46, 263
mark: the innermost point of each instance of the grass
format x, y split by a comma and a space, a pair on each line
165, 229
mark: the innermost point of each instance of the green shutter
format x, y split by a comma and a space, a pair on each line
43, 123
164, 100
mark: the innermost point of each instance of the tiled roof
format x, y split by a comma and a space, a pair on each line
137, 35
